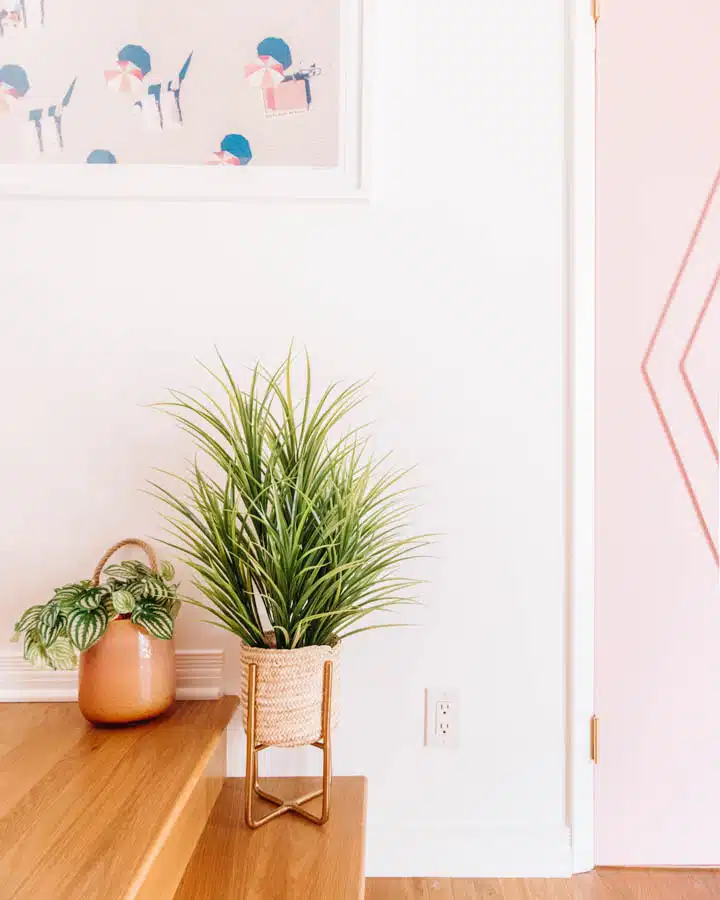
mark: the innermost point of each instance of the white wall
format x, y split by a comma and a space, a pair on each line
449, 287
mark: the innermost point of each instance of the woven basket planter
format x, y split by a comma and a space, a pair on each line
289, 693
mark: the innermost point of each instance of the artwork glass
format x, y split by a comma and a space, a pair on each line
221, 83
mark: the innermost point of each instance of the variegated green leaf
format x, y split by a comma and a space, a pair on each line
71, 591
164, 589
175, 609
154, 589
68, 595
33, 649
29, 618
123, 602
86, 626
136, 588
61, 654
50, 623
91, 599
68, 604
156, 620
117, 572
135, 568
167, 570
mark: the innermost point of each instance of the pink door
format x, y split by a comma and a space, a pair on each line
658, 382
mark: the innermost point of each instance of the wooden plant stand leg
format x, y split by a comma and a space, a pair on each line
252, 786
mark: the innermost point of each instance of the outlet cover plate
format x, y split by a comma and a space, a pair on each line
442, 717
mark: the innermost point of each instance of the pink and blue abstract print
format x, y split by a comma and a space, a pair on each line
46, 121
101, 157
157, 98
12, 16
14, 85
171, 82
234, 151
15, 16
283, 91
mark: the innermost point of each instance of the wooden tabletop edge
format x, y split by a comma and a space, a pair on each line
166, 828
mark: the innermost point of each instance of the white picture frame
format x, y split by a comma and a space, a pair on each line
348, 181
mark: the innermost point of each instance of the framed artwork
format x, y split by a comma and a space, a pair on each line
175, 98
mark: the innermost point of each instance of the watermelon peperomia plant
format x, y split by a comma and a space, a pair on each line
78, 614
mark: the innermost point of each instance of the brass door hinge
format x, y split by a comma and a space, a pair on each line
594, 739
595, 10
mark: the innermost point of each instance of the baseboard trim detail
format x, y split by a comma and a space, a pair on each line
200, 676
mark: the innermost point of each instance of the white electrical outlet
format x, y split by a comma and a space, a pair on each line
442, 708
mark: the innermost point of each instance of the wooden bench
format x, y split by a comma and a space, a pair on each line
145, 812
109, 813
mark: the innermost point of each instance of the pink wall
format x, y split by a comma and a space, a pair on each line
658, 604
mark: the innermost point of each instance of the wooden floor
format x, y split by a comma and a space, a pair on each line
288, 859
605, 884
86, 812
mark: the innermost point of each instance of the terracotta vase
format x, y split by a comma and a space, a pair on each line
129, 675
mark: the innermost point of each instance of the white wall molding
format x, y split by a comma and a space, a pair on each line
406, 850
200, 676
580, 451
19, 681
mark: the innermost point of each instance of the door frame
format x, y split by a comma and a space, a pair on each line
580, 108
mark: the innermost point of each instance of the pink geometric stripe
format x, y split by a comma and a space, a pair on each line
683, 367
654, 395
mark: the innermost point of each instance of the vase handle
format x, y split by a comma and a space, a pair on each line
128, 542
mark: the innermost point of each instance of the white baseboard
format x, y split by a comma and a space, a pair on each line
200, 676
473, 851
